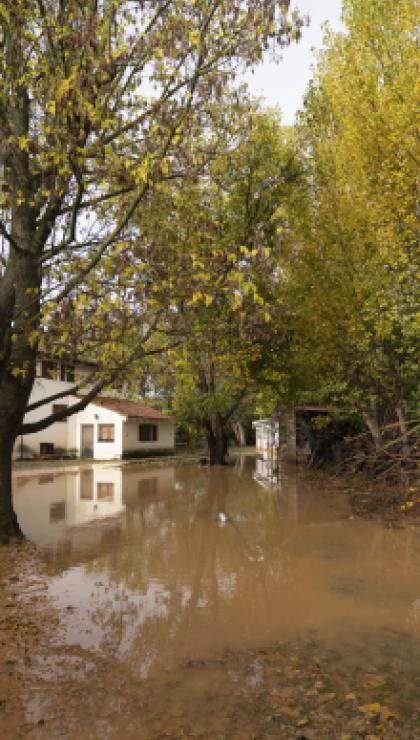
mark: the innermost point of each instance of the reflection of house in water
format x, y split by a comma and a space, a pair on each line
142, 483
267, 471
78, 508
146, 490
54, 506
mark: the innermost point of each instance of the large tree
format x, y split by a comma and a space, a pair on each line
99, 99
224, 233
353, 277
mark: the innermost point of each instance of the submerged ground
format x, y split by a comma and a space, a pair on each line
183, 602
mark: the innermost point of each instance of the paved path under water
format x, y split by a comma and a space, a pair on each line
213, 603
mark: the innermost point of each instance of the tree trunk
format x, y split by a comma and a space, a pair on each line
9, 527
19, 316
370, 418
14, 394
217, 441
239, 433
403, 429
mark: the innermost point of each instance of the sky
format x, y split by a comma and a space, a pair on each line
284, 84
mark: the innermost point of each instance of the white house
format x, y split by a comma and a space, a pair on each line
266, 434
108, 428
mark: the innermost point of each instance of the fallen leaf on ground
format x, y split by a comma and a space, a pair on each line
303, 722
373, 708
388, 714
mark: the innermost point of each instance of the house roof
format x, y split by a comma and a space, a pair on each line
124, 407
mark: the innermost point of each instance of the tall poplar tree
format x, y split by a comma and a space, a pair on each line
354, 277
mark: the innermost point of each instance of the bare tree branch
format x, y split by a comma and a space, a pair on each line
13, 243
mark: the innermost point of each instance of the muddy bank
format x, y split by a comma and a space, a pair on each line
369, 498
396, 505
145, 614
26, 623
294, 689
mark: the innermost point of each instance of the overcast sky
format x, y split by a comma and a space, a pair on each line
284, 84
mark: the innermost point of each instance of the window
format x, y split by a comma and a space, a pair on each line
105, 491
148, 433
106, 433
57, 512
67, 373
148, 487
46, 448
59, 407
49, 369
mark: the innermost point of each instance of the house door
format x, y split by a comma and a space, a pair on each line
86, 441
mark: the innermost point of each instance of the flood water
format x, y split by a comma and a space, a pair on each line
157, 568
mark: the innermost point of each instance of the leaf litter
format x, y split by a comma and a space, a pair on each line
297, 690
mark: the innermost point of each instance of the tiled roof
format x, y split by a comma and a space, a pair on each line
125, 407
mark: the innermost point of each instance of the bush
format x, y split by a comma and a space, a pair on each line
140, 454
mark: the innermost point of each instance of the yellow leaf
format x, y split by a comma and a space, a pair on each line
51, 107
5, 13
63, 88
303, 722
194, 38
388, 714
23, 143
373, 708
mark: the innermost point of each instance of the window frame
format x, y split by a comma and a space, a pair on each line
154, 432
105, 491
46, 448
67, 373
99, 433
59, 407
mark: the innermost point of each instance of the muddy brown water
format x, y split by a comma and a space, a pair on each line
157, 570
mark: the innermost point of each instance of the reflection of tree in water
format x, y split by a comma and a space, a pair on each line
176, 584
191, 561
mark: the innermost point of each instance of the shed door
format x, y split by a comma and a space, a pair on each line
86, 442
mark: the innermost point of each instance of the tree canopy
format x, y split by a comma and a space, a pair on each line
353, 281
99, 102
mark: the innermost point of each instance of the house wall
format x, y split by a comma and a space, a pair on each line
165, 440
96, 415
266, 435
56, 433
67, 434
